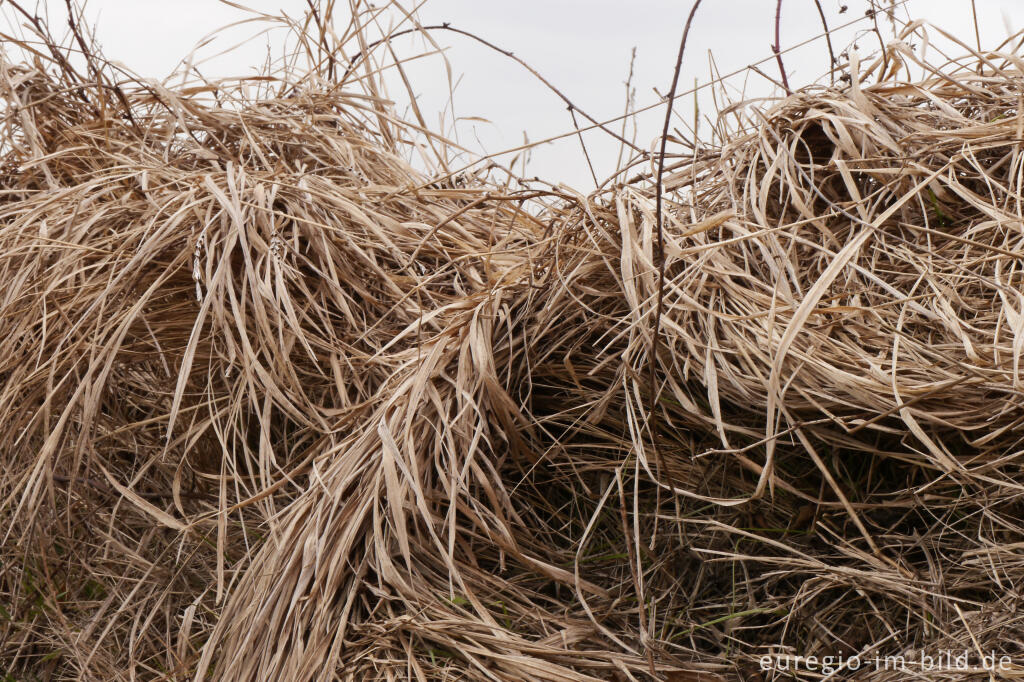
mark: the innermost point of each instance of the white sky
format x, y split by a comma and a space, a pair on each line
582, 46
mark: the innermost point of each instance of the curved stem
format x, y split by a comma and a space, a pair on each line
508, 53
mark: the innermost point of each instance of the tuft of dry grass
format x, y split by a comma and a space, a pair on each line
276, 404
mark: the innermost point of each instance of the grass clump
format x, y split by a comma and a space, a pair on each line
278, 404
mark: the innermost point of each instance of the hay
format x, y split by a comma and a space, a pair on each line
278, 405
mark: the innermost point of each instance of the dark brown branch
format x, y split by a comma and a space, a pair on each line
583, 144
828, 40
323, 38
660, 255
777, 47
51, 45
97, 73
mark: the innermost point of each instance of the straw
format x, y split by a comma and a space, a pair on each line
279, 404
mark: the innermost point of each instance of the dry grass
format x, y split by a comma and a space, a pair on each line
276, 405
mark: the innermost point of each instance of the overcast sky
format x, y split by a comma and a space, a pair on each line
582, 46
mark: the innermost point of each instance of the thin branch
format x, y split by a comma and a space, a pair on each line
659, 187
323, 39
777, 47
828, 40
583, 144
508, 53
96, 71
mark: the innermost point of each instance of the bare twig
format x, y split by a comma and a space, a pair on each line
828, 41
508, 53
777, 46
653, 391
